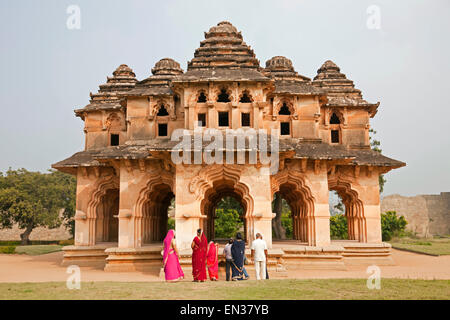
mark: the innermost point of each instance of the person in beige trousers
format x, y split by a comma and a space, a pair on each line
259, 256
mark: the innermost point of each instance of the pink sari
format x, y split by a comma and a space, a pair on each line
199, 258
213, 261
172, 268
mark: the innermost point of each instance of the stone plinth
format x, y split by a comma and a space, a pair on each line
85, 256
308, 257
357, 253
144, 259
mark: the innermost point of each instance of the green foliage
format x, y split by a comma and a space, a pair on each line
7, 249
338, 227
375, 145
227, 223
230, 203
171, 224
392, 225
34, 199
286, 222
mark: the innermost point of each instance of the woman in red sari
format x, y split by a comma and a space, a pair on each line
213, 261
199, 247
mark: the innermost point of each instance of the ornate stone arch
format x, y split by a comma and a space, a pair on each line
199, 93
203, 186
300, 199
167, 103
227, 89
338, 113
101, 187
354, 208
247, 92
278, 104
154, 182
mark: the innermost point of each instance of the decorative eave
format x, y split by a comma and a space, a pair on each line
96, 107
372, 108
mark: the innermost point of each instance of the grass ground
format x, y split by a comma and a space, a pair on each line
37, 249
269, 290
435, 246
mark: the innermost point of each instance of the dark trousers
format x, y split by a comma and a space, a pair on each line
228, 268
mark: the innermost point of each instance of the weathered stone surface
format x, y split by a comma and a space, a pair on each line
426, 214
39, 233
126, 178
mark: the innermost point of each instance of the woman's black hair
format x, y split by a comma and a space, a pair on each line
238, 236
199, 231
230, 241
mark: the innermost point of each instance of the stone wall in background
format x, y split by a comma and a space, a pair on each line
426, 214
40, 233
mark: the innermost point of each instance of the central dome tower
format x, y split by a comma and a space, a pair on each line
223, 47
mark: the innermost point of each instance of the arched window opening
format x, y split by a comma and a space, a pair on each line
334, 119
223, 96
201, 98
162, 111
245, 98
284, 111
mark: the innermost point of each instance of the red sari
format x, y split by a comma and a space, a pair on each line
199, 258
213, 261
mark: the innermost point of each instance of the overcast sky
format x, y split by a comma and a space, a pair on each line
48, 70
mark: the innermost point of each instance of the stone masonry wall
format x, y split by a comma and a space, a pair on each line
426, 214
40, 233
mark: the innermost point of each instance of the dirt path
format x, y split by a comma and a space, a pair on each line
44, 268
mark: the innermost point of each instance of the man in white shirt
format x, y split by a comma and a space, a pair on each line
259, 256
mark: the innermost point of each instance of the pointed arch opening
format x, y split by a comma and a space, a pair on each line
223, 96
349, 206
289, 187
107, 222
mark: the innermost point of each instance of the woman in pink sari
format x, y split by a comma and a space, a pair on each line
172, 268
213, 261
199, 247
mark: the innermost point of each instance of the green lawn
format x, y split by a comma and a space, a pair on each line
37, 249
269, 289
436, 246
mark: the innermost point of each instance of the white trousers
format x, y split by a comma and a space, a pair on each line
260, 267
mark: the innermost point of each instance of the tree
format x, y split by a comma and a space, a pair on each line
227, 223
277, 226
392, 225
230, 203
338, 227
34, 199
375, 144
